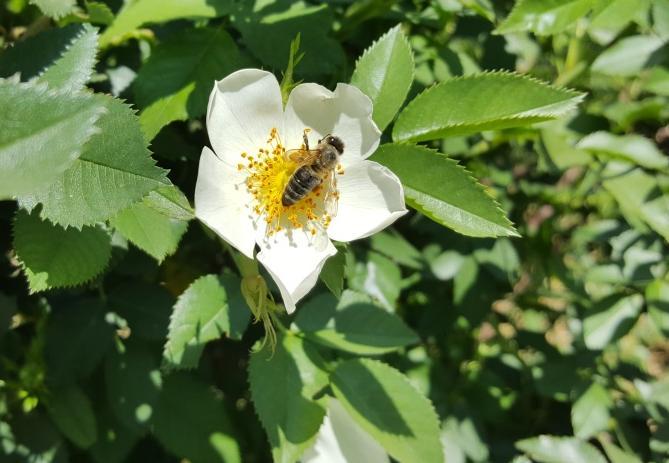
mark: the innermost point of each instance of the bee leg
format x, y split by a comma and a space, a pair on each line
306, 140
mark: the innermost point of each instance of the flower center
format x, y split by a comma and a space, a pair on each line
270, 170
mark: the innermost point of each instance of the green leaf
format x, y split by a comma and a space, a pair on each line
610, 319
544, 17
269, 26
283, 384
630, 55
641, 200
614, 17
634, 148
79, 350
333, 273
353, 325
386, 405
657, 299
41, 134
114, 170
140, 12
170, 201
191, 421
617, 455
72, 412
377, 276
75, 67
397, 248
115, 441
204, 312
55, 8
175, 82
62, 58
133, 383
444, 191
54, 257
150, 229
487, 101
551, 449
145, 307
590, 412
384, 73
99, 13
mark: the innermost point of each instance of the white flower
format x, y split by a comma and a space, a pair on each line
240, 183
341, 440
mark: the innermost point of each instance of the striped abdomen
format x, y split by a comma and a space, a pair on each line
300, 184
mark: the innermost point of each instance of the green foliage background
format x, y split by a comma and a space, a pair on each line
519, 313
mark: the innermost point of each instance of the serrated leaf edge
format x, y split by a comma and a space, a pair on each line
510, 225
398, 374
575, 95
103, 269
86, 29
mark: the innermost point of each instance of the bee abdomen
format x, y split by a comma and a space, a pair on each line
300, 184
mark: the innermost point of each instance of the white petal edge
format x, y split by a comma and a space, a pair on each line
371, 198
243, 109
294, 260
346, 112
341, 440
221, 202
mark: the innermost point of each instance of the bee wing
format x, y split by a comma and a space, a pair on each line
302, 156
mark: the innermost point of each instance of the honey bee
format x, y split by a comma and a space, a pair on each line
314, 167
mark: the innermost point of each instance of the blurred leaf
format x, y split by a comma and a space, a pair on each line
384, 73
268, 24
397, 248
657, 299
481, 102
333, 273
283, 385
446, 265
72, 411
32, 438
561, 150
75, 66
54, 257
444, 191
133, 383
145, 307
610, 319
612, 19
353, 324
114, 170
630, 55
175, 82
55, 8
201, 314
79, 350
385, 404
544, 17
99, 13
150, 229
641, 200
552, 449
658, 81
41, 134
186, 401
140, 12
379, 277
634, 148
463, 435
114, 441
590, 412
617, 455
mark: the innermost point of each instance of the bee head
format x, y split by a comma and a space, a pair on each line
336, 142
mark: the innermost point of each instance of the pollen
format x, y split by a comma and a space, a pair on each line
269, 170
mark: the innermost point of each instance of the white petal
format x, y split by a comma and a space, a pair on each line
346, 112
221, 202
243, 109
371, 198
295, 259
341, 439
